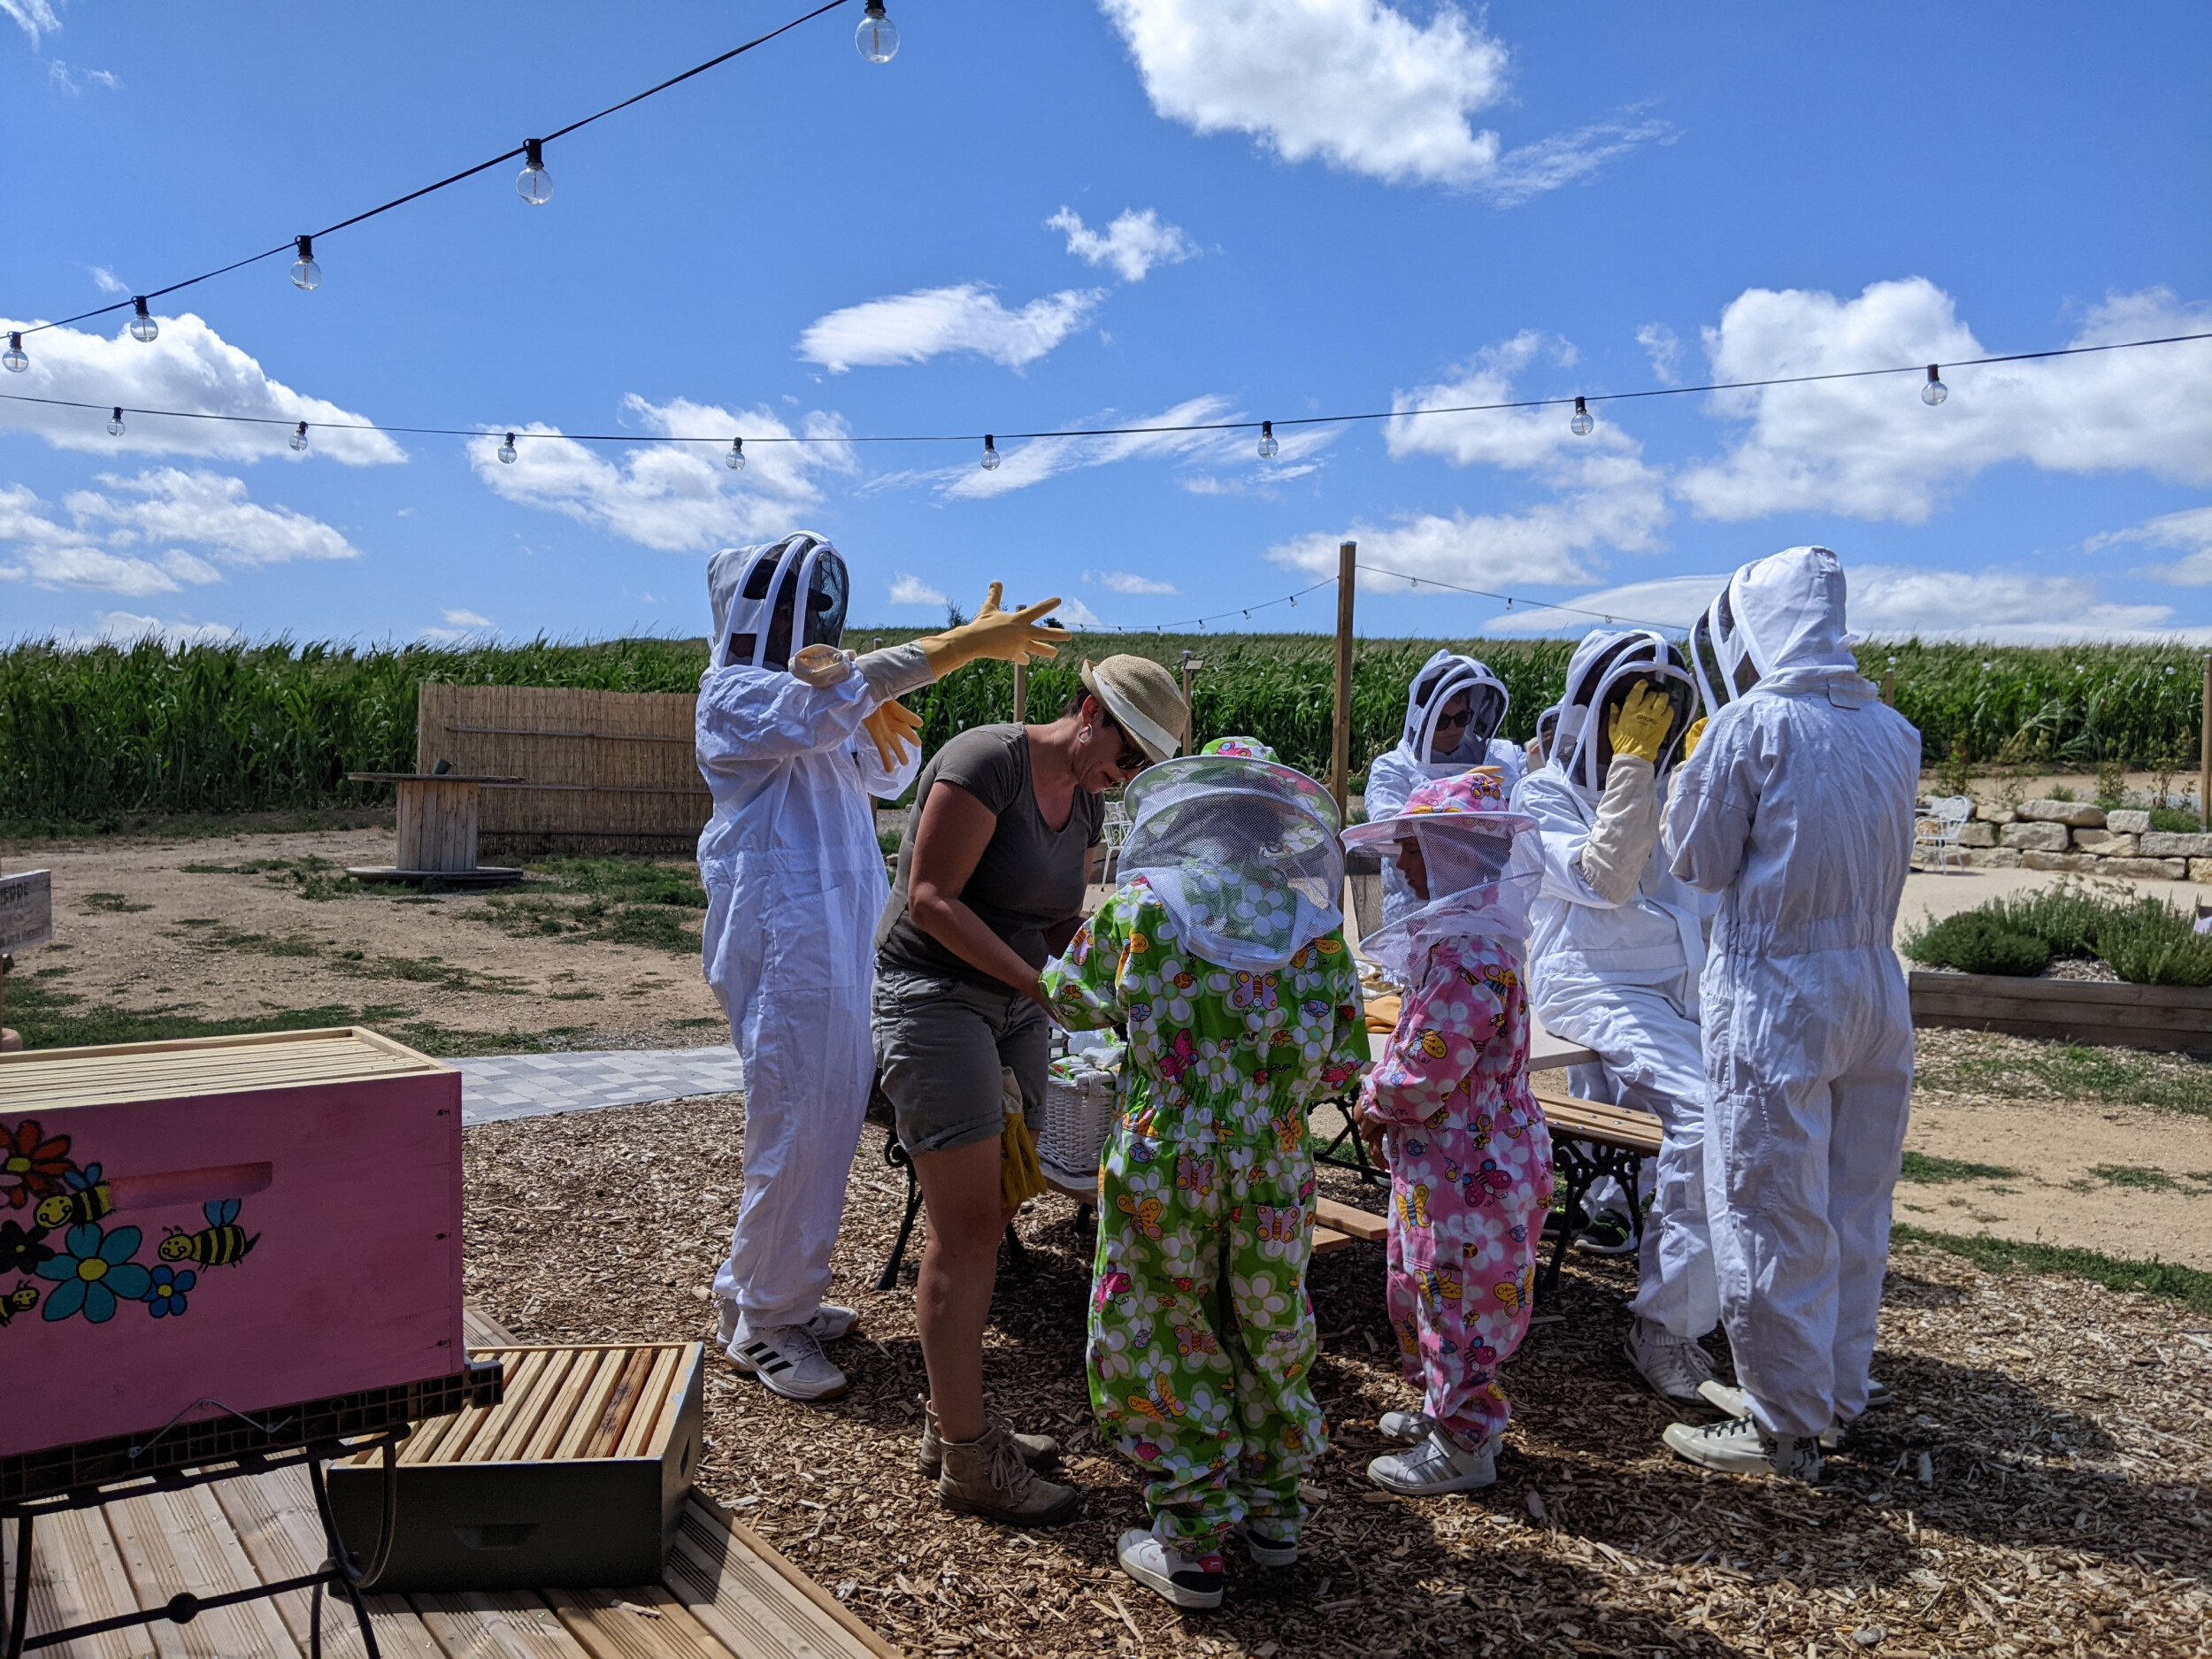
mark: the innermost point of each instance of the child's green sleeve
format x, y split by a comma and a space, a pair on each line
1083, 983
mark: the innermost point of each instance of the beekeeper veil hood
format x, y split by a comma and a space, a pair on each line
1243, 853
1442, 678
1479, 865
1604, 669
1783, 612
774, 600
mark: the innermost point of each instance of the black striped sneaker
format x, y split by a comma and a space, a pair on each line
788, 1360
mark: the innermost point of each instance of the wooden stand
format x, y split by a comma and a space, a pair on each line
437, 831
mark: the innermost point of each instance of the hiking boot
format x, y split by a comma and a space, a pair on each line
1437, 1465
828, 1323
1409, 1426
1737, 1447
1607, 1234
988, 1477
1039, 1451
1673, 1365
1265, 1551
787, 1360
1187, 1581
1722, 1397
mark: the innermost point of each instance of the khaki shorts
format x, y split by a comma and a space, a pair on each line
942, 1044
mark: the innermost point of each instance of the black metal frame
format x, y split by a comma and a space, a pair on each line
1577, 1166
1359, 1163
898, 1157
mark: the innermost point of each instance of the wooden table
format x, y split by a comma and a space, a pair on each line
437, 831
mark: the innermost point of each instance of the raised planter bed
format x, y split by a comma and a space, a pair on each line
2170, 1017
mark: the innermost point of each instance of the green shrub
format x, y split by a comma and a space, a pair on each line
1976, 941
2153, 944
2143, 940
2065, 915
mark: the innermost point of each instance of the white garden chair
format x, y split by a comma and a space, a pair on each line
1935, 831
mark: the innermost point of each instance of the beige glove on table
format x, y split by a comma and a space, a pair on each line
1615, 852
895, 729
1003, 636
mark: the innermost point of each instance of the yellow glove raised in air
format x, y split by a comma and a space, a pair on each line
1693, 736
1003, 636
1640, 725
895, 729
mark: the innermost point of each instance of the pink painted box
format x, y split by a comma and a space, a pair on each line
258, 1221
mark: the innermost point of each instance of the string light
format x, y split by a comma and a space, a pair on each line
1268, 445
143, 328
14, 357
533, 184
115, 423
307, 276
299, 440
877, 38
1935, 391
990, 453
1582, 422
507, 449
735, 459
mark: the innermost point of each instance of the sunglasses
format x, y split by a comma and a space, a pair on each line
1457, 722
1131, 760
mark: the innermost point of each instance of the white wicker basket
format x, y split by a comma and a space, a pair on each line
1079, 1106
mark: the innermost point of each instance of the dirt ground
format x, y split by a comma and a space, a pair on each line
2040, 1487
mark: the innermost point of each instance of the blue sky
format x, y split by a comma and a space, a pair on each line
1046, 217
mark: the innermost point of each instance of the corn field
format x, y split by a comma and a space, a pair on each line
91, 736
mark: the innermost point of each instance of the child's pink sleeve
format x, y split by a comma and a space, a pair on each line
1432, 1054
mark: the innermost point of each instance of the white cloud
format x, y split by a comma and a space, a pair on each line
1132, 244
459, 624
2190, 531
1355, 83
109, 547
907, 328
124, 627
1663, 346
464, 619
189, 367
1667, 601
35, 18
1076, 614
107, 281
58, 76
2000, 607
104, 79
1870, 449
1487, 550
912, 590
1127, 582
673, 497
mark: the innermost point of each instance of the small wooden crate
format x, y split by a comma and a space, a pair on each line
575, 1480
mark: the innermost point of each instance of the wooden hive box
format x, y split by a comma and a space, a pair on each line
577, 1478
229, 1225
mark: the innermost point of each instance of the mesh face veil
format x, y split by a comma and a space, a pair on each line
774, 600
1444, 676
1602, 684
1243, 853
1722, 653
1477, 867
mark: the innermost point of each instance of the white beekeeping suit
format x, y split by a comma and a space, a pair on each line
1615, 945
795, 883
1425, 750
1797, 809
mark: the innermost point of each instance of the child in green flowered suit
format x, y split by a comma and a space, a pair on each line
1223, 955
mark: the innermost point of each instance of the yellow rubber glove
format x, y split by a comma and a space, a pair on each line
1694, 736
895, 729
1003, 636
1640, 725
1020, 1176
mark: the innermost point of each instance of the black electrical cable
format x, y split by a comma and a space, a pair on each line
1534, 605
401, 201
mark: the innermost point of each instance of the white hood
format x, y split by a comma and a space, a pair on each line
1782, 613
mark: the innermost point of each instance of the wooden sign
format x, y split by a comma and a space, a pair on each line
27, 911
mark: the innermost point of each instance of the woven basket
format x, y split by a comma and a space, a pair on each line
1079, 1111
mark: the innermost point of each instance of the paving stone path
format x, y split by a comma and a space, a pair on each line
505, 1086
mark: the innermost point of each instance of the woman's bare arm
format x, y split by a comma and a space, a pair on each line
955, 827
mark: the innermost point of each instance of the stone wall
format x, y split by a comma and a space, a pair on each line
2076, 835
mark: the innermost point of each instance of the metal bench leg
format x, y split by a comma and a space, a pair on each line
19, 1615
896, 1155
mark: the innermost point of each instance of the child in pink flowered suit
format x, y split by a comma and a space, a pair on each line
1448, 1108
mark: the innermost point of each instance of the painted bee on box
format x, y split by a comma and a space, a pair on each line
218, 1244
87, 1198
22, 1299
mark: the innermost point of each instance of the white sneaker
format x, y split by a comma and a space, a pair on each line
829, 1322
1192, 1581
1736, 1403
1409, 1426
1673, 1365
1265, 1551
788, 1360
1878, 1395
1435, 1466
1737, 1447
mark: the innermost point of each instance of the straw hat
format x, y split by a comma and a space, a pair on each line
1144, 701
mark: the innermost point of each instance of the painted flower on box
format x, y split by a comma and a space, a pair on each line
22, 1250
93, 1273
32, 1165
166, 1294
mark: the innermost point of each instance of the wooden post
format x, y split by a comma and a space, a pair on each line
1192, 663
2204, 752
437, 825
1021, 691
1340, 744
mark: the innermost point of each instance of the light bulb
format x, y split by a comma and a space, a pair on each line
1268, 446
299, 440
533, 184
877, 37
990, 454
1581, 423
143, 328
115, 424
13, 357
735, 459
507, 449
307, 276
1935, 391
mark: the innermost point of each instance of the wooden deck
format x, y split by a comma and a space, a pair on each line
726, 1594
